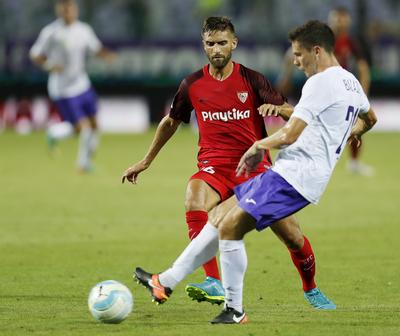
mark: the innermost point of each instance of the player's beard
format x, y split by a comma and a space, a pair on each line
221, 61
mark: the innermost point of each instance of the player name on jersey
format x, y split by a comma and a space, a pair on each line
225, 116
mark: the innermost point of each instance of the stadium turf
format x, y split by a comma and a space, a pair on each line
61, 233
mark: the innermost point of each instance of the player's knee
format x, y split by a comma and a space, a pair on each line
230, 228
288, 230
212, 216
226, 230
83, 123
93, 123
192, 204
294, 240
218, 214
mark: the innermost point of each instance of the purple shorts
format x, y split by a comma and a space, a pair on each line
268, 198
75, 108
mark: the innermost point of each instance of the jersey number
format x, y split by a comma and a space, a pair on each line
351, 117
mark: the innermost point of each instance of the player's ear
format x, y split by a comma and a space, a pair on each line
235, 42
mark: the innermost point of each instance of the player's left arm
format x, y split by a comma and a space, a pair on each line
364, 123
286, 136
106, 55
275, 104
96, 47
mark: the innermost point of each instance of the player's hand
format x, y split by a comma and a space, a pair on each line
132, 172
269, 110
56, 68
250, 160
107, 55
354, 139
110, 57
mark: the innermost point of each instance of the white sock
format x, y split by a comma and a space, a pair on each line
93, 142
60, 130
199, 251
233, 261
83, 160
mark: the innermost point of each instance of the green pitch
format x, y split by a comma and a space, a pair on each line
61, 233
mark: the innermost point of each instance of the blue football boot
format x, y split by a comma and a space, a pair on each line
210, 290
318, 300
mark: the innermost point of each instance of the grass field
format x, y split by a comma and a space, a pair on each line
61, 233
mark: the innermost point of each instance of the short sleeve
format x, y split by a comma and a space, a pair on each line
94, 44
41, 45
365, 105
267, 94
315, 98
181, 107
262, 88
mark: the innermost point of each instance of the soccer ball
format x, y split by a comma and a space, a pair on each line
110, 301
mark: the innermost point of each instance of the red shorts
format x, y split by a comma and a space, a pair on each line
222, 178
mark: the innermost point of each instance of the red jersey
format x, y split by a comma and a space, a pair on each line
346, 50
226, 111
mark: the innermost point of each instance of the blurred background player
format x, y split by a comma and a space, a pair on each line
61, 50
350, 56
226, 97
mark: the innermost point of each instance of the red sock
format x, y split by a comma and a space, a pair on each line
196, 221
304, 261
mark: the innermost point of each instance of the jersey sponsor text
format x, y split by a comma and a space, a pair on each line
225, 116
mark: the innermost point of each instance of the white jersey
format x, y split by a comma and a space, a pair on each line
67, 45
330, 103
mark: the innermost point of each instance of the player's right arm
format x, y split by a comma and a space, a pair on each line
165, 130
42, 62
285, 136
38, 52
180, 111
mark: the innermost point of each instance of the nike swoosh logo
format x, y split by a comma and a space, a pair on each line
237, 319
152, 285
250, 200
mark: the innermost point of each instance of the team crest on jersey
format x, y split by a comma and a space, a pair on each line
242, 96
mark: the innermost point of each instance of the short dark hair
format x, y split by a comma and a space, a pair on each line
64, 2
341, 10
217, 23
314, 33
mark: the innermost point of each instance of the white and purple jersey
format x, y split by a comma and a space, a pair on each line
67, 46
330, 103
